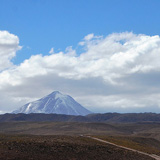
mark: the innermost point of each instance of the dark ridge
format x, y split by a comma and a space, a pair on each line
107, 117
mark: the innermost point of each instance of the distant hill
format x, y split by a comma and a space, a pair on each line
55, 102
107, 117
127, 117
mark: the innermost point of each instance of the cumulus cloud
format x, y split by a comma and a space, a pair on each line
9, 45
119, 72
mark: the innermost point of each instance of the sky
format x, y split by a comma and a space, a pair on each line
103, 53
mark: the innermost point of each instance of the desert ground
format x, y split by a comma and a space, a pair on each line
69, 141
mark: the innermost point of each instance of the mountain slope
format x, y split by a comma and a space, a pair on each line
55, 102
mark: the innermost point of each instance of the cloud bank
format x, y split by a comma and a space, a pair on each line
119, 72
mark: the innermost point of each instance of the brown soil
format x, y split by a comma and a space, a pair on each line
27, 147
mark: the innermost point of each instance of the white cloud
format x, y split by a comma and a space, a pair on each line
89, 37
51, 51
70, 52
9, 44
107, 75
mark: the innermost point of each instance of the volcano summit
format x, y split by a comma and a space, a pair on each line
55, 102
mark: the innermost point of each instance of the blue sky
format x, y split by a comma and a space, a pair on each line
105, 53
43, 24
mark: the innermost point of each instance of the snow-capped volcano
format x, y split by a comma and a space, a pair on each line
55, 102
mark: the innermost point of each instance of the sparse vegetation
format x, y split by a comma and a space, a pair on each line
29, 147
147, 145
53, 140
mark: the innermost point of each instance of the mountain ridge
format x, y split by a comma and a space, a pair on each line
100, 118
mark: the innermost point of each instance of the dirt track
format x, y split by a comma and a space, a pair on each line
104, 141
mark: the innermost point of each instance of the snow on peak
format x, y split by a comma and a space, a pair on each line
59, 95
55, 102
